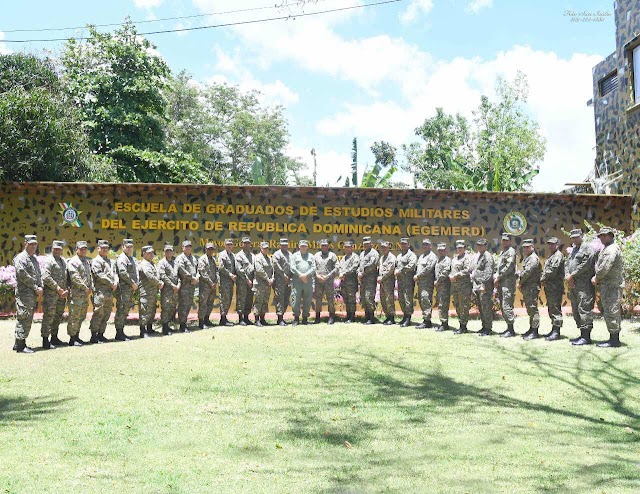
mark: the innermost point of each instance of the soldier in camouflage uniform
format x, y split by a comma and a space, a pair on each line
505, 283
244, 284
171, 286
208, 271
56, 291
348, 274
150, 285
81, 286
28, 290
443, 286
482, 280
579, 270
553, 281
406, 262
461, 286
105, 281
187, 267
609, 277
127, 271
387, 282
264, 279
326, 271
282, 285
227, 273
368, 275
425, 277
302, 268
530, 287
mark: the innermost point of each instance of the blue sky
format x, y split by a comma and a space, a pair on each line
374, 72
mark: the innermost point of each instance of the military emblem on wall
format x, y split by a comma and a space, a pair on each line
70, 215
515, 223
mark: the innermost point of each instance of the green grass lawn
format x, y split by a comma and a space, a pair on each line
343, 408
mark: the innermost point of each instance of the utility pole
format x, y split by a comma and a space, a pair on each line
315, 167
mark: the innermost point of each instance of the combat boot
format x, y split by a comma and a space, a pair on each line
143, 331
94, 338
331, 319
296, 320
614, 341
56, 341
281, 321
349, 318
75, 341
258, 322
166, 329
422, 325
241, 320
201, 323
406, 321
225, 322
121, 336
150, 329
46, 344
264, 320
317, 319
305, 320
509, 333
246, 319
484, 332
21, 347
208, 323
533, 334
102, 338
585, 337
526, 334
461, 330
368, 318
389, 321
443, 327
554, 335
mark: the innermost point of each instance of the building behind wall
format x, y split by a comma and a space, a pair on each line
616, 105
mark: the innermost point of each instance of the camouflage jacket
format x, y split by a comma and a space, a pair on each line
531, 271
386, 267
54, 273
609, 266
79, 271
426, 269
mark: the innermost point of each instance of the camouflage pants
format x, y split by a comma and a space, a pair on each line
462, 302
325, 290
405, 295
368, 293
443, 296
206, 297
26, 306
611, 296
281, 295
484, 300
185, 301
124, 303
348, 290
226, 295
425, 297
507, 295
53, 309
102, 306
387, 301
244, 298
148, 305
582, 301
530, 295
78, 305
554, 304
301, 296
168, 305
261, 304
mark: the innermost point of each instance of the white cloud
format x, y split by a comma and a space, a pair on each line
147, 4
4, 49
415, 8
476, 6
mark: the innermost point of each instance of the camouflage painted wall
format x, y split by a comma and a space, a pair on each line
617, 114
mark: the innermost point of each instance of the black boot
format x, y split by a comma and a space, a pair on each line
389, 321
150, 329
56, 341
443, 327
305, 320
225, 322
296, 320
406, 321
368, 316
120, 336
74, 341
208, 323
242, 320
350, 318
331, 319
317, 319
461, 330
484, 332
94, 338
614, 341
422, 325
526, 334
533, 334
143, 331
264, 320
554, 335
21, 347
509, 333
46, 344
281, 321
102, 339
201, 323
246, 320
258, 321
585, 337
166, 329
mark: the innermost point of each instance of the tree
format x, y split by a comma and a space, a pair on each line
381, 173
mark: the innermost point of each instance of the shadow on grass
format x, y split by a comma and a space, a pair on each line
24, 408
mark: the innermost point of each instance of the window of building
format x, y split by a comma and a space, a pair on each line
636, 73
609, 83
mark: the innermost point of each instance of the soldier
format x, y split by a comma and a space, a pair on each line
282, 285
406, 262
28, 290
505, 283
326, 270
610, 278
81, 286
426, 277
150, 285
367, 275
482, 279
171, 286
187, 268
262, 286
244, 289
461, 287
105, 281
579, 270
553, 281
443, 286
530, 287
56, 291
348, 274
387, 282
208, 271
303, 266
227, 274
127, 271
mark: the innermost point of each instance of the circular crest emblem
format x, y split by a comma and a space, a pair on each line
514, 223
70, 215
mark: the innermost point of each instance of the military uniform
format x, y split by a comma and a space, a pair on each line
386, 270
80, 279
54, 278
188, 273
127, 270
482, 280
28, 283
443, 287
168, 273
226, 268
530, 286
461, 286
368, 274
406, 269
208, 271
326, 266
610, 279
426, 277
505, 280
264, 279
244, 293
104, 277
581, 267
282, 280
348, 271
553, 281
150, 285
302, 265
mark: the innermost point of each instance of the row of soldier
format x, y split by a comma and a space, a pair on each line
296, 277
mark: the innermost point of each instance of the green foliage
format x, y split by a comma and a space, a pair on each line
27, 71
354, 163
631, 260
382, 172
135, 165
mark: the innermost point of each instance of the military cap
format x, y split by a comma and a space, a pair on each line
481, 241
576, 233
460, 243
442, 246
366, 240
103, 243
264, 245
303, 242
348, 243
57, 244
127, 242
146, 249
426, 241
404, 240
528, 242
505, 236
81, 244
229, 241
168, 247
605, 230
209, 246
246, 240
284, 241
384, 243
553, 240
324, 241
31, 239
186, 243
